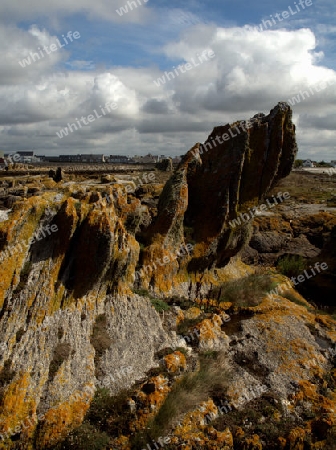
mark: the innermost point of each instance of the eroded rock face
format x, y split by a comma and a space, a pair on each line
231, 172
70, 322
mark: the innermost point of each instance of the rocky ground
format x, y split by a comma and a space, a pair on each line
133, 315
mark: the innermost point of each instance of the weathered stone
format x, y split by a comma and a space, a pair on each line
217, 180
166, 165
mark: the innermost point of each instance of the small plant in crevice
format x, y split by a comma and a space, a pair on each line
61, 353
184, 328
247, 291
291, 265
293, 298
159, 304
85, 437
105, 407
188, 392
78, 207
141, 292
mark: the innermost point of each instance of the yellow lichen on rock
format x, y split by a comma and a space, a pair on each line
63, 418
175, 362
17, 405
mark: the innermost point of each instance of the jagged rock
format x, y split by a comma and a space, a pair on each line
58, 175
70, 323
228, 174
166, 165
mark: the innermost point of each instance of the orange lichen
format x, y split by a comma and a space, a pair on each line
175, 362
296, 438
282, 443
196, 429
253, 443
192, 313
151, 401
18, 412
61, 419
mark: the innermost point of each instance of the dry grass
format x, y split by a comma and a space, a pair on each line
247, 291
191, 390
299, 185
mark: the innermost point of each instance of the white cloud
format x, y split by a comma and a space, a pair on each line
250, 73
16, 10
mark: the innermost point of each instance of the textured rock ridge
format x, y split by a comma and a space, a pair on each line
67, 312
73, 318
231, 172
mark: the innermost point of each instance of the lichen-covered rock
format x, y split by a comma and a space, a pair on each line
214, 182
175, 362
67, 322
72, 321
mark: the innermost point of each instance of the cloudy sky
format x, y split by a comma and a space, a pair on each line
262, 52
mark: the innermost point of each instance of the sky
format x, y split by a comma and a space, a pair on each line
155, 76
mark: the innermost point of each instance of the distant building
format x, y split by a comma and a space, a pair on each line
92, 158
99, 158
68, 158
147, 159
308, 163
120, 159
51, 159
25, 157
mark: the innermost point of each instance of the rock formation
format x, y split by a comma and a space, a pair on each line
231, 172
75, 320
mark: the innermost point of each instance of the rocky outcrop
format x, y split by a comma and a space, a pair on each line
87, 276
230, 173
67, 317
166, 165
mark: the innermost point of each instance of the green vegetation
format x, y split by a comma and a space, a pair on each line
97, 428
159, 304
291, 265
189, 391
86, 437
104, 406
184, 327
298, 163
323, 164
142, 292
247, 291
299, 186
78, 207
210, 354
291, 297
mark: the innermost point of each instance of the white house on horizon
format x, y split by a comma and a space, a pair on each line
308, 163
